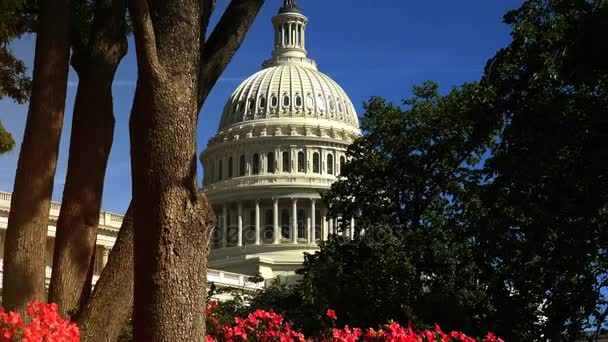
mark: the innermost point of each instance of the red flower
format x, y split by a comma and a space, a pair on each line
331, 314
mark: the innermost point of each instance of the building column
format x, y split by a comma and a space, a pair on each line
313, 219
224, 228
257, 222
240, 224
331, 226
352, 228
105, 254
324, 227
275, 222
294, 220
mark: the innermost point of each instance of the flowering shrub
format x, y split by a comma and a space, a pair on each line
264, 326
46, 325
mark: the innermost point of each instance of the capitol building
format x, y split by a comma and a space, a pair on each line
281, 143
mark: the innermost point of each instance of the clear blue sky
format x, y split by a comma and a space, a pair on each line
370, 47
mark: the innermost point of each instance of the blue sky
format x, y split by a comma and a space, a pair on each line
370, 47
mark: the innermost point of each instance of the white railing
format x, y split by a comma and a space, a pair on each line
106, 219
273, 179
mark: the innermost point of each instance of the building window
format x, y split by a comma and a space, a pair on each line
221, 170
330, 164
230, 166
242, 165
256, 164
331, 104
316, 167
251, 105
342, 162
298, 100
270, 162
286, 161
262, 102
301, 162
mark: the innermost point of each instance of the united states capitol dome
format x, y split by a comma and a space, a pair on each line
289, 87
281, 143
293, 89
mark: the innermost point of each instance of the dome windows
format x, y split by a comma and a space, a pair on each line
316, 163
256, 164
262, 102
332, 106
298, 100
274, 101
321, 103
242, 166
270, 162
251, 105
310, 102
286, 162
330, 164
285, 100
301, 162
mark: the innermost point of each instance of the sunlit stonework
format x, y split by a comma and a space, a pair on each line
281, 143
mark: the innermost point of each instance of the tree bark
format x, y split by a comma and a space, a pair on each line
90, 144
110, 304
25, 247
172, 217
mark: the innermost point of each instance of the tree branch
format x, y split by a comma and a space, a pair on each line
224, 41
145, 42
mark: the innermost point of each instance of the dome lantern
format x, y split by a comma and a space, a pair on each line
290, 32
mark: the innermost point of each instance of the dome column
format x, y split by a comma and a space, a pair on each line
352, 228
240, 224
294, 220
257, 222
313, 221
275, 222
324, 223
224, 228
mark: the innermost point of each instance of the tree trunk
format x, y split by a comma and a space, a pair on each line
109, 306
90, 144
25, 247
172, 217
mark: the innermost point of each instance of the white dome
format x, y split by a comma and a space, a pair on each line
290, 90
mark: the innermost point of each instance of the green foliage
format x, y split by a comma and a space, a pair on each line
498, 189
413, 262
538, 211
6, 140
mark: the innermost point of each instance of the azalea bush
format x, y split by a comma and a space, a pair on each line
44, 324
263, 326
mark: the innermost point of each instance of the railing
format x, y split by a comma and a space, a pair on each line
272, 179
106, 219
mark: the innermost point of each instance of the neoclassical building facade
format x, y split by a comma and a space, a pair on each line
281, 143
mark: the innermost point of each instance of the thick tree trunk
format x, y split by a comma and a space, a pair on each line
90, 144
172, 217
105, 314
25, 247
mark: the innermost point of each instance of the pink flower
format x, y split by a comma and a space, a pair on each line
331, 314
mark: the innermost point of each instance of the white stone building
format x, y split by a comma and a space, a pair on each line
109, 224
281, 143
